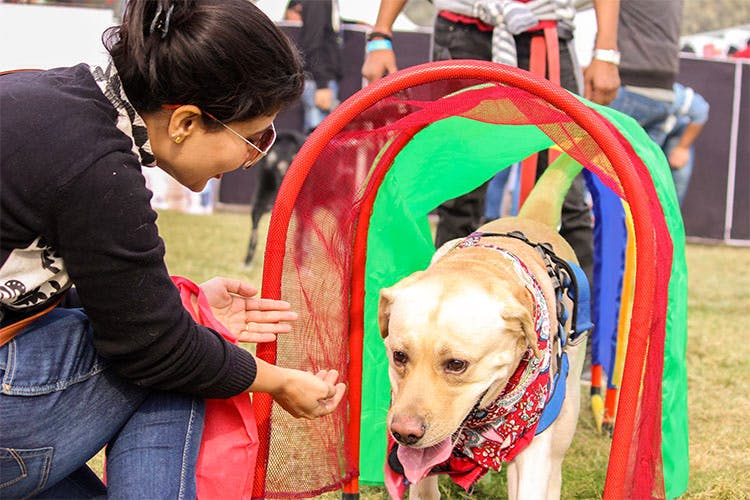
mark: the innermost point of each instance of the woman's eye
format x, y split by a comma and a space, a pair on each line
400, 358
456, 366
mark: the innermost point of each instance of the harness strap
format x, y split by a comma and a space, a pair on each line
564, 274
554, 405
8, 333
568, 276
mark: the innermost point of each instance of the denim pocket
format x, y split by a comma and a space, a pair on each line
24, 472
54, 353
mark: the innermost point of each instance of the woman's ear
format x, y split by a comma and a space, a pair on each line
185, 120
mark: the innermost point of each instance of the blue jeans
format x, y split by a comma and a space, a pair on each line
649, 113
60, 404
681, 176
495, 191
313, 114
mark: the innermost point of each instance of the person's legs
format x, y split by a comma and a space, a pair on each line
313, 114
577, 222
82, 483
680, 176
495, 190
649, 113
460, 216
154, 454
60, 404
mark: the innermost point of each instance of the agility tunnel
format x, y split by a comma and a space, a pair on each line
352, 217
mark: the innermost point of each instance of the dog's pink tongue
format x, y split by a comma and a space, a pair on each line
417, 462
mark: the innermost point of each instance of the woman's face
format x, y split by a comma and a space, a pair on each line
192, 153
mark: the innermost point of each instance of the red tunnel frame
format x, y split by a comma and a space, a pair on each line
646, 276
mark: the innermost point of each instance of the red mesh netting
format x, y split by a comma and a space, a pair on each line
315, 259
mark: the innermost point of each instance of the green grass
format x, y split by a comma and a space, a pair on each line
200, 247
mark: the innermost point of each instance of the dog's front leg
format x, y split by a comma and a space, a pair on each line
426, 489
529, 473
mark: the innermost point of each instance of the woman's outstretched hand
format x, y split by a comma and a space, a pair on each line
248, 318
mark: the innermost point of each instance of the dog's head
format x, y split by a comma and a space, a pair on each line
453, 339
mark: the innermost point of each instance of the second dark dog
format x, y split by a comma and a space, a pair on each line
271, 171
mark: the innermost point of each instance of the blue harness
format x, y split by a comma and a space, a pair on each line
567, 278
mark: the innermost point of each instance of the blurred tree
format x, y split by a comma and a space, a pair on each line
709, 15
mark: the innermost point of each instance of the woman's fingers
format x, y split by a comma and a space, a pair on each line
261, 317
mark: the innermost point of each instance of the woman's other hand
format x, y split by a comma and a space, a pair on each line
300, 393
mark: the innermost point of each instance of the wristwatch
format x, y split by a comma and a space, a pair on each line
607, 55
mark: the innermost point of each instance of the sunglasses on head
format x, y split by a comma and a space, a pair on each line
258, 148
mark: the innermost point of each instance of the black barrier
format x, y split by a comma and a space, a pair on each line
717, 203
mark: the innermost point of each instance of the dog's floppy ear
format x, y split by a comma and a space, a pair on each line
384, 310
386, 300
518, 313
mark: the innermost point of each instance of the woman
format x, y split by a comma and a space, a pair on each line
193, 88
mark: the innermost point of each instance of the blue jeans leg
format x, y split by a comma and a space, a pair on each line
649, 113
495, 190
313, 114
60, 404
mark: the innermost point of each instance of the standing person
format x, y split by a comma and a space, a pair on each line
320, 39
502, 31
649, 38
192, 88
677, 135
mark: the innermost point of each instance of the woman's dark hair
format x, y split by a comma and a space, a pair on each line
224, 56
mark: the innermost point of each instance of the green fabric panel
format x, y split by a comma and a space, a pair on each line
447, 159
444, 160
674, 385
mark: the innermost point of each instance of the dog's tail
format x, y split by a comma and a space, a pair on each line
544, 203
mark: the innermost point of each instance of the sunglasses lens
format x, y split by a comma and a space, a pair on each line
267, 139
263, 144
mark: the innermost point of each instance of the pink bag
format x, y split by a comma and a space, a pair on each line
229, 446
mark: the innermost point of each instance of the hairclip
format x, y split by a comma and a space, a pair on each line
162, 24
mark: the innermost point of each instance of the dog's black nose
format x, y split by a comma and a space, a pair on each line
407, 440
408, 431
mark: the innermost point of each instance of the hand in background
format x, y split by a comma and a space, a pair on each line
378, 63
248, 318
679, 157
324, 99
600, 81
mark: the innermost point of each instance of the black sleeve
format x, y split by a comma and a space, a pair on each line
316, 27
106, 233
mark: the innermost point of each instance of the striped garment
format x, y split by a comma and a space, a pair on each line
510, 18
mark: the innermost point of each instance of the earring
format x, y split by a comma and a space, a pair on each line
177, 139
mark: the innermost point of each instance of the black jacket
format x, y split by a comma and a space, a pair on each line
74, 209
319, 42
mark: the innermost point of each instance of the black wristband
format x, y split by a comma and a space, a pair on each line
378, 34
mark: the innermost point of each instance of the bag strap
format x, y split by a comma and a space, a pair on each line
7, 333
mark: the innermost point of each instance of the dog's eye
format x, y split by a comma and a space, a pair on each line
400, 358
456, 366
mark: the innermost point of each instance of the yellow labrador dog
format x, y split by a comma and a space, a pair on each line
465, 338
